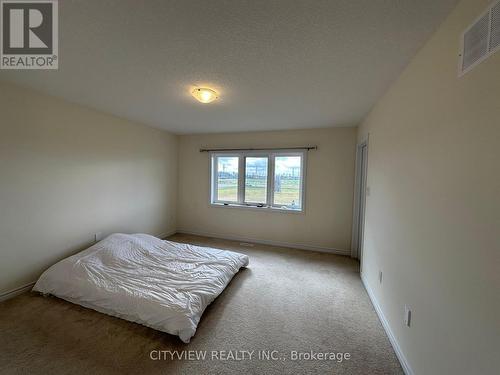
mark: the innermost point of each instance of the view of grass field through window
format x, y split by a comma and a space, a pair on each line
227, 178
286, 180
287, 176
256, 179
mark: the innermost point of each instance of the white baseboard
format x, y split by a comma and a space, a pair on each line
269, 242
402, 359
15, 292
166, 234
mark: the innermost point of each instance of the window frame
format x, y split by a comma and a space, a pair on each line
301, 180
269, 204
257, 155
214, 166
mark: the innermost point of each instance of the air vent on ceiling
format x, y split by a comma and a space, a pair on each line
481, 39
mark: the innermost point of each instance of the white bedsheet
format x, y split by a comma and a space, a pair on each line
161, 284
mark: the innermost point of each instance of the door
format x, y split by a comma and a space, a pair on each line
360, 200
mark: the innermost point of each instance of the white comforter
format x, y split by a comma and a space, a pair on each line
161, 284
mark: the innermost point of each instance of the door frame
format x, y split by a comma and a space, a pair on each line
358, 217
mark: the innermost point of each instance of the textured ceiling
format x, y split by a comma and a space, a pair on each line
277, 64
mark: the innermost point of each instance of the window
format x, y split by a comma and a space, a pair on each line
256, 168
287, 181
273, 180
227, 179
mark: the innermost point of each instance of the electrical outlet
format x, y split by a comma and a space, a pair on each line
97, 236
380, 277
407, 317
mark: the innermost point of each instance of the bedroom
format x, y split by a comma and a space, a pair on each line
256, 187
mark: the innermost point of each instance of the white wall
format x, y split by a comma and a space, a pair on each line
433, 214
326, 222
68, 172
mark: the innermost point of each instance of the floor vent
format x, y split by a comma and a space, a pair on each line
247, 244
481, 39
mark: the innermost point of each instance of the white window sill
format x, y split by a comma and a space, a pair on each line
256, 208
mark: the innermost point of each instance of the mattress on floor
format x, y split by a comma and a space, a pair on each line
161, 284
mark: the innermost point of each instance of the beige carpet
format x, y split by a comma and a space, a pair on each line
287, 300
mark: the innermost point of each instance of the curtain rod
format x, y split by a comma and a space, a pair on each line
258, 149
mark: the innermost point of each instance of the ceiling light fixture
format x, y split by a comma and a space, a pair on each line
204, 95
